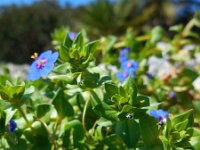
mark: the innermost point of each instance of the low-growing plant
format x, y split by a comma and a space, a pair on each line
69, 102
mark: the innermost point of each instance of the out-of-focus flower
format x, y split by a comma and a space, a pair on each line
161, 115
72, 35
196, 84
172, 95
164, 47
123, 55
159, 67
12, 126
192, 63
189, 47
42, 65
123, 75
129, 67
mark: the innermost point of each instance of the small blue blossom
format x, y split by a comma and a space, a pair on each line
42, 65
172, 95
123, 55
161, 115
72, 35
130, 65
124, 51
12, 126
123, 75
123, 58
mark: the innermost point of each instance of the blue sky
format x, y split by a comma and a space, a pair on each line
28, 2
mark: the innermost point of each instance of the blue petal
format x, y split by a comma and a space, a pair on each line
72, 35
124, 51
46, 69
46, 55
123, 59
153, 113
33, 72
53, 57
120, 76
162, 113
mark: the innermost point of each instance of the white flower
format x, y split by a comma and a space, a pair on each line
189, 47
196, 84
159, 67
191, 63
164, 47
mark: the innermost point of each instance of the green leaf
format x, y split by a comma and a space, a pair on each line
141, 101
42, 109
131, 88
2, 122
63, 107
129, 132
64, 53
67, 41
75, 129
79, 41
177, 28
106, 111
118, 99
9, 114
181, 125
110, 41
90, 80
114, 142
149, 129
194, 141
182, 117
91, 47
69, 78
111, 89
156, 34
40, 137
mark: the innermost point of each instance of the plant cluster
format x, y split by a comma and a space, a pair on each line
69, 101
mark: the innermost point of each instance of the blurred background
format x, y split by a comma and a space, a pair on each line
26, 25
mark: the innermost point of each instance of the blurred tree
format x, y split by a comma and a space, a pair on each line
108, 17
26, 29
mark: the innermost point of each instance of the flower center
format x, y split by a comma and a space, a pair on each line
162, 120
125, 74
41, 63
129, 64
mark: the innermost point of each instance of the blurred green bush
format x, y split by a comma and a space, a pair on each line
26, 29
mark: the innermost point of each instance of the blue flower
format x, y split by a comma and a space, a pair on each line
172, 95
42, 65
123, 75
124, 51
123, 55
72, 35
12, 126
161, 115
123, 58
130, 65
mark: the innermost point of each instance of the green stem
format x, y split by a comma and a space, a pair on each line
188, 27
53, 137
23, 115
84, 112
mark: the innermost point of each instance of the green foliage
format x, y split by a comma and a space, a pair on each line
82, 106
